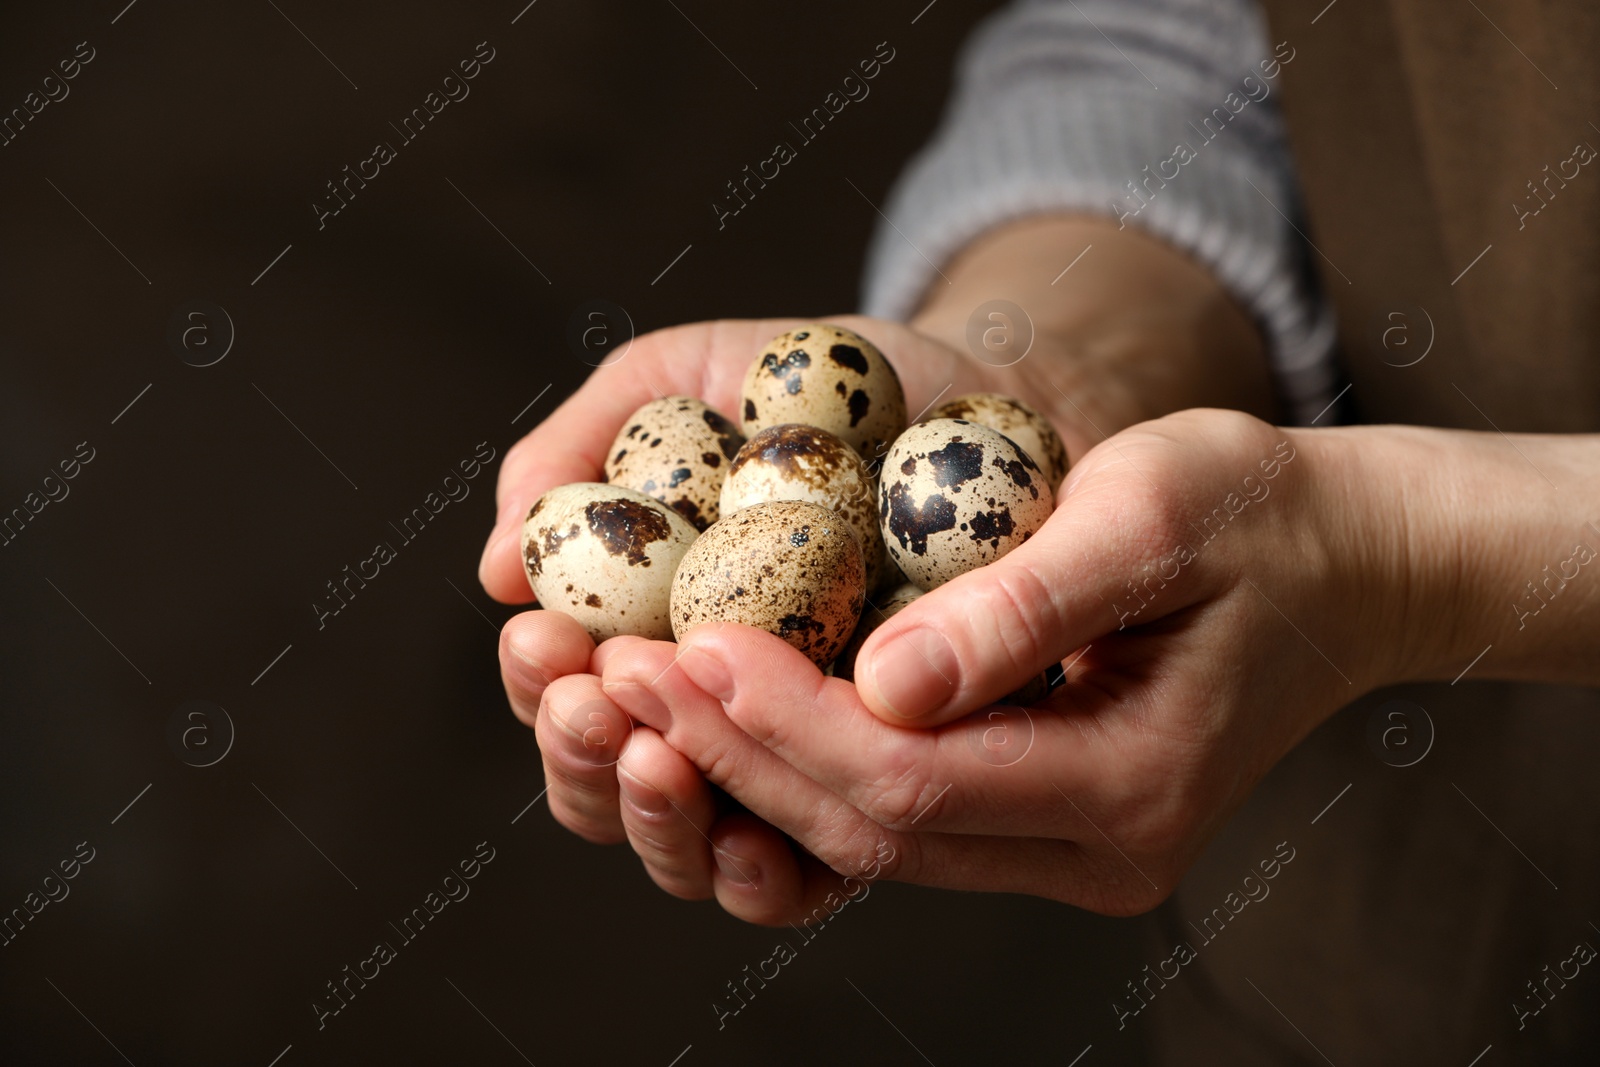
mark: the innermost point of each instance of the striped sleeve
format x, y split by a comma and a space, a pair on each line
1160, 113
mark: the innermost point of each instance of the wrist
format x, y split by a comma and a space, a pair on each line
1396, 573
1456, 552
1133, 331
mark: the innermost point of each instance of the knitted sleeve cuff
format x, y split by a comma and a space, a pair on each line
1057, 110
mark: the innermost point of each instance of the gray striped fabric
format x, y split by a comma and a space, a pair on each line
1160, 112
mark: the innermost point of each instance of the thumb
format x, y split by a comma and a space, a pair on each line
1096, 567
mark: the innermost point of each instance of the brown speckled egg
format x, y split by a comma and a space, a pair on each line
1028, 429
954, 496
794, 462
874, 615
789, 567
677, 450
605, 555
827, 377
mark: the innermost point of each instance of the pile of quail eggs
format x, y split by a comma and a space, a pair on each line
815, 518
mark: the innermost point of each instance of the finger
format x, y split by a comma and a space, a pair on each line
1111, 556
536, 648
608, 648
581, 734
837, 834
762, 879
667, 811
1006, 771
648, 681
773, 886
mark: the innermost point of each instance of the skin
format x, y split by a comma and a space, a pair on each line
1369, 556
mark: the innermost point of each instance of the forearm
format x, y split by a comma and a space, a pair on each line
1471, 544
1133, 331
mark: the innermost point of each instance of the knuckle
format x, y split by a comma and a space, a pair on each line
893, 861
569, 764
590, 734
555, 735
1021, 603
900, 795
766, 729
579, 814
674, 863
1159, 513
586, 790
658, 839
719, 763
853, 847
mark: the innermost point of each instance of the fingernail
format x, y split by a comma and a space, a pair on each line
646, 798
915, 672
708, 672
736, 869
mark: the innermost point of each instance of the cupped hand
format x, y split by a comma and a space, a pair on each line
548, 663
1215, 591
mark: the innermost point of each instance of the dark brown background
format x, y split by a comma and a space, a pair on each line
397, 339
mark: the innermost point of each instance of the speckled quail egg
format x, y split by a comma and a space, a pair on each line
1028, 429
794, 462
873, 615
831, 378
605, 555
954, 496
677, 450
790, 567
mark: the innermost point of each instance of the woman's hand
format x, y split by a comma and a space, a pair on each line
1137, 330
548, 662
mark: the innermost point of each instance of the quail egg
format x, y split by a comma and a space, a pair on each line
790, 567
831, 378
677, 450
794, 462
954, 496
605, 555
1028, 429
